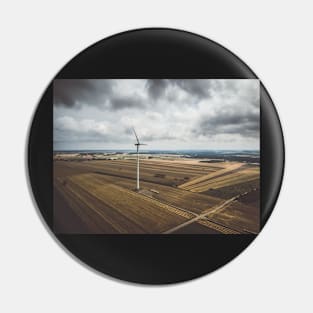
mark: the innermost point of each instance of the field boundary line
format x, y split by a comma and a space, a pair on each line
200, 216
186, 213
221, 228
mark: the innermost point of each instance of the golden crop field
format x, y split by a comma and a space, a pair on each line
99, 197
233, 174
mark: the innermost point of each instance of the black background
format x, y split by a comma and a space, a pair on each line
154, 53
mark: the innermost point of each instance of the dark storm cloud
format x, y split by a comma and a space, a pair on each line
244, 124
196, 88
134, 101
102, 93
156, 87
75, 93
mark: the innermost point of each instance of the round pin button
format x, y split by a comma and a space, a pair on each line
155, 156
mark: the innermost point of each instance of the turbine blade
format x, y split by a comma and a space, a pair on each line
136, 135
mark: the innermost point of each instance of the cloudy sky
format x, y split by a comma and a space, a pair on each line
166, 113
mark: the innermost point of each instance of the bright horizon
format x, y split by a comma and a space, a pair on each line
162, 150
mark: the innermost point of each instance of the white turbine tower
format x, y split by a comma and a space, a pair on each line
138, 144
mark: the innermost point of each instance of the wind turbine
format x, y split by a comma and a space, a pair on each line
138, 144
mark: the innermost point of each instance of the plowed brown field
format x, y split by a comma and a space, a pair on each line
99, 197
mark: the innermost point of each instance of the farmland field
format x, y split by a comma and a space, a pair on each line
99, 197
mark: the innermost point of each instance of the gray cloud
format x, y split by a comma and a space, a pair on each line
78, 92
242, 123
92, 92
156, 87
101, 92
68, 128
167, 113
198, 88
133, 101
